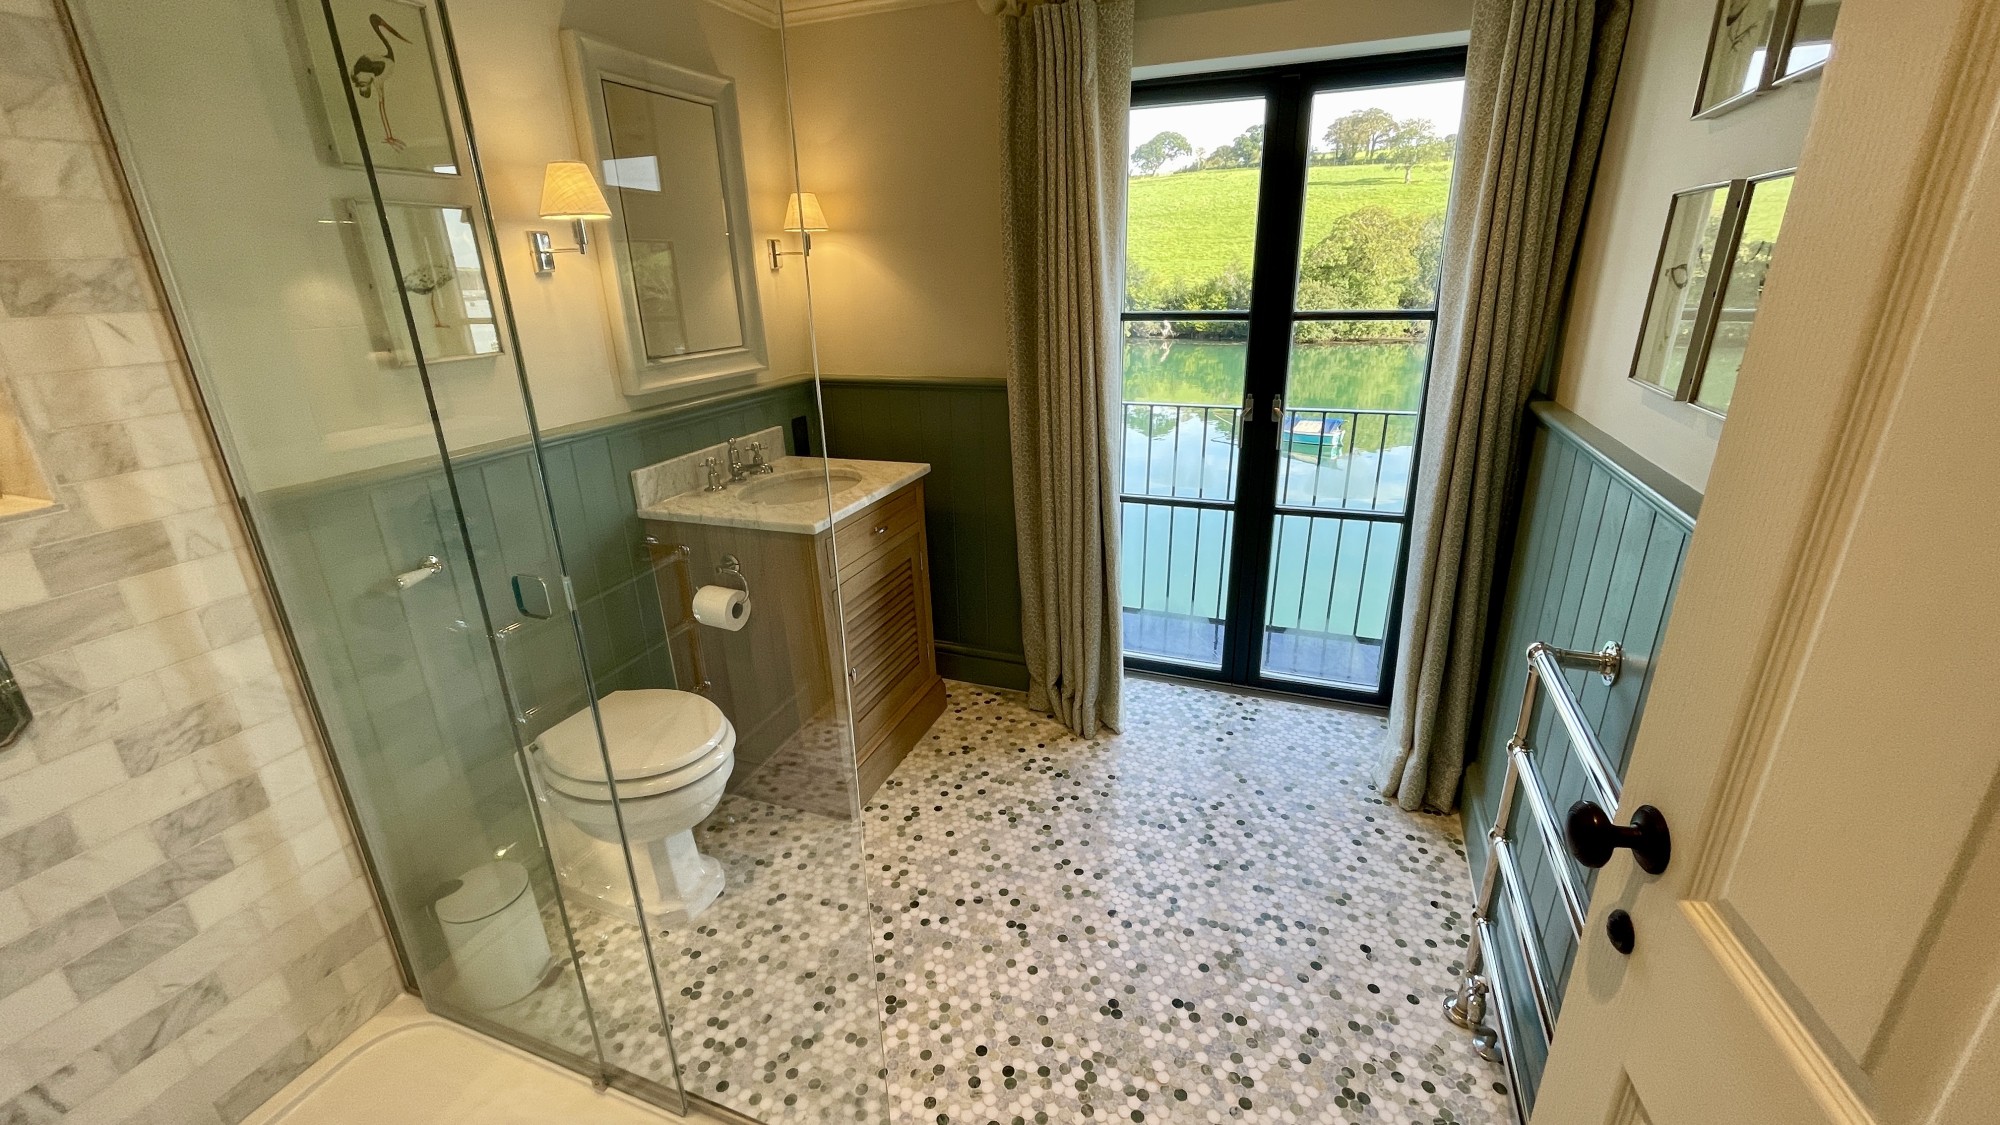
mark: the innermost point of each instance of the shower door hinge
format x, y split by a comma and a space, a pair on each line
569, 593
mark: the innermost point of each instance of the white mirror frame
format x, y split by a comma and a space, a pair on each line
591, 62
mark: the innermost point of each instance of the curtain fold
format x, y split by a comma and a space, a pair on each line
1538, 85
1068, 73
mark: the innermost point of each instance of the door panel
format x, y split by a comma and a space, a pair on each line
1819, 733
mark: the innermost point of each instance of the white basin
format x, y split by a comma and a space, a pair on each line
798, 486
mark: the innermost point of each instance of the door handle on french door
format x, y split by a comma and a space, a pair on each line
1592, 836
1278, 421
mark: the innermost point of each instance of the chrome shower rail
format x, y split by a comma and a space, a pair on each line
1469, 1005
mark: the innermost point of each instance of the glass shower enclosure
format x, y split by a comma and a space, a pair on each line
474, 299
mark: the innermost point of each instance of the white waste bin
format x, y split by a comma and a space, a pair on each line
493, 928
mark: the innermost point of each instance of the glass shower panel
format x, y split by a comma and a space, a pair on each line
671, 376
346, 318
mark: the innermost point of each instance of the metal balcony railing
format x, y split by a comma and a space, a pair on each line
1342, 485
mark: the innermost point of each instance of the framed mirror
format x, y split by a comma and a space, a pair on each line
1807, 38
1739, 57
1740, 289
666, 145
1757, 45
1676, 302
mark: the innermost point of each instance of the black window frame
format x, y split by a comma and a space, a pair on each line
1287, 92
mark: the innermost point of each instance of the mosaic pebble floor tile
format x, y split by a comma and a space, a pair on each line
1208, 918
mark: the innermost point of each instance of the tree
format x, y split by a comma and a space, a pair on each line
1246, 151
1162, 150
1355, 136
1415, 142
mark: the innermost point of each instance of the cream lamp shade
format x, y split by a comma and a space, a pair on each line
569, 191
802, 213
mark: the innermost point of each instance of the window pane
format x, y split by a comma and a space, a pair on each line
1191, 225
1376, 189
1331, 584
1183, 402
1351, 405
1175, 576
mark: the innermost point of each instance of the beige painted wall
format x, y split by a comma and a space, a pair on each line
899, 135
1653, 149
899, 132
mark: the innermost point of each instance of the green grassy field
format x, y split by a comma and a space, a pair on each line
1187, 226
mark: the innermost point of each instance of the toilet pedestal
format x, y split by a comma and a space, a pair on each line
685, 881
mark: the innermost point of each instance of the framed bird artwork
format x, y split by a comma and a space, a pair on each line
377, 73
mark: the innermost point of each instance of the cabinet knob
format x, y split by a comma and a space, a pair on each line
882, 529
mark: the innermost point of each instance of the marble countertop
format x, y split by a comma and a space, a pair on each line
856, 484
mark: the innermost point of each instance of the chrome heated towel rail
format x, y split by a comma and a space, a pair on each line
1483, 991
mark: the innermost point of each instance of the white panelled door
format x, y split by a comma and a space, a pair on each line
1823, 732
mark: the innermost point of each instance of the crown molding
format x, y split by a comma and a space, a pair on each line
798, 12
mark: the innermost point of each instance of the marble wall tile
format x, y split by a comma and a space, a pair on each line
170, 881
45, 344
97, 717
145, 748
25, 959
86, 876
130, 951
36, 849
126, 338
59, 623
58, 400
52, 287
64, 232
227, 622
20, 582
179, 831
164, 1024
32, 48
91, 560
180, 905
31, 168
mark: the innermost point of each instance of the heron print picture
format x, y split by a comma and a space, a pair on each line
386, 65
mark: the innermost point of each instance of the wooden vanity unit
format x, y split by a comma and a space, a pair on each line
774, 678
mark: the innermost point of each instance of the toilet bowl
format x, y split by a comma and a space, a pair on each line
670, 754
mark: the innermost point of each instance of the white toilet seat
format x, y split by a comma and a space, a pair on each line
597, 789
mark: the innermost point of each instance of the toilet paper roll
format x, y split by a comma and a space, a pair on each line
721, 607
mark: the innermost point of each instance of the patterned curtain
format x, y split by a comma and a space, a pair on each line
1068, 73
1538, 83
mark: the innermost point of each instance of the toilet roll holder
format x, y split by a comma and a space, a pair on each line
730, 572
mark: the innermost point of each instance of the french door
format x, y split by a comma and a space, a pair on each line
1282, 248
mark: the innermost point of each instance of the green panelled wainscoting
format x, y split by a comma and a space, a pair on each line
959, 427
1596, 557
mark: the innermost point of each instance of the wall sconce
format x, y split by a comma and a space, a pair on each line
803, 216
570, 192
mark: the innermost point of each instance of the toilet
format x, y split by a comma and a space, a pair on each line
670, 753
